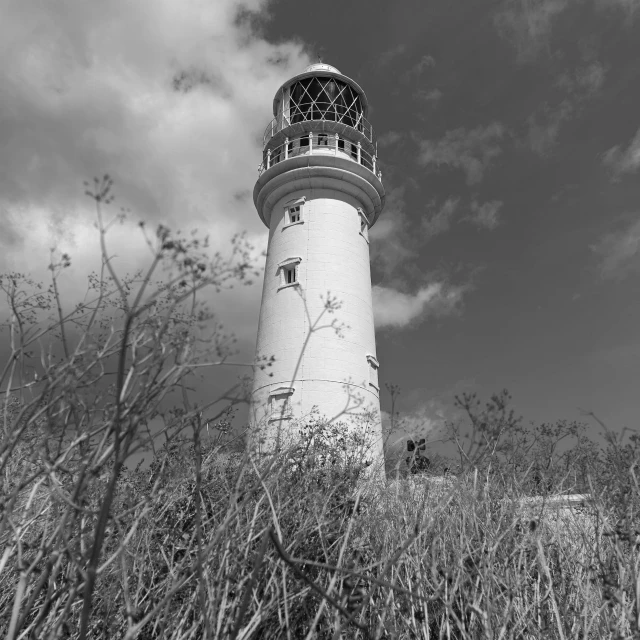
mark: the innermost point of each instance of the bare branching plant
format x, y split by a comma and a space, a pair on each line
85, 390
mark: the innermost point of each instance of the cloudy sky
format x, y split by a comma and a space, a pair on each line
508, 254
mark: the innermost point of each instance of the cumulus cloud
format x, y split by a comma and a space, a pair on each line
527, 24
440, 221
472, 151
624, 160
619, 251
392, 243
396, 309
169, 97
486, 215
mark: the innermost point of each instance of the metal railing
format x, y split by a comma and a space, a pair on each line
320, 144
323, 111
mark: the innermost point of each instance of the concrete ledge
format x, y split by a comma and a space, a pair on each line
318, 172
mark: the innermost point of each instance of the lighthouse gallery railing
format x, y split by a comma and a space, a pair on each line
320, 144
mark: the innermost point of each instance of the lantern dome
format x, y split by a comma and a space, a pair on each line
321, 66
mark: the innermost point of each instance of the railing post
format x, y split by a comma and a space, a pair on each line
269, 159
272, 125
374, 165
311, 143
286, 148
359, 153
337, 138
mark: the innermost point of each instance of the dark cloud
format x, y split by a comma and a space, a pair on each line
438, 219
585, 81
386, 57
624, 160
486, 215
629, 8
527, 24
469, 150
544, 126
432, 96
413, 74
390, 138
619, 251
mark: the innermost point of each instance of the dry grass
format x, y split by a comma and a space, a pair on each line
286, 549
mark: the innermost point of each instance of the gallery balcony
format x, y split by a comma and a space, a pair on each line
321, 144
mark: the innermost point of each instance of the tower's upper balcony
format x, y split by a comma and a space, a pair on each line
320, 112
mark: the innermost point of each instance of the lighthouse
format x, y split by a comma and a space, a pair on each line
319, 191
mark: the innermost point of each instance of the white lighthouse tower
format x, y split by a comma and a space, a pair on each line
319, 191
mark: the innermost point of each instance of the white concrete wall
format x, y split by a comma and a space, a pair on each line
326, 368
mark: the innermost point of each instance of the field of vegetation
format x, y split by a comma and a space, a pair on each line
208, 541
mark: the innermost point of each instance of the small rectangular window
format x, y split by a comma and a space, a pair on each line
373, 376
323, 140
373, 372
280, 403
288, 270
294, 211
364, 225
280, 406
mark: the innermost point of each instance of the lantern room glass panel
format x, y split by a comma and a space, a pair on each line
325, 98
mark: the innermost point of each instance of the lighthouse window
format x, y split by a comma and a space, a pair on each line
325, 98
364, 225
289, 272
280, 403
293, 212
280, 406
323, 140
373, 372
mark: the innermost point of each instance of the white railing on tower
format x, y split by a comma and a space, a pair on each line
324, 144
